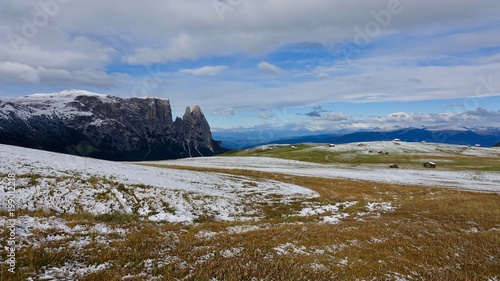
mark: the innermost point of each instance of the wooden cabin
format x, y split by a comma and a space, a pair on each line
430, 165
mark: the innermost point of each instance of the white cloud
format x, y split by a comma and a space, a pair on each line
13, 71
265, 116
21, 74
265, 66
335, 116
205, 70
225, 112
335, 121
469, 119
160, 31
323, 75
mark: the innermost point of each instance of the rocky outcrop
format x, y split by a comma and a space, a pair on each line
105, 127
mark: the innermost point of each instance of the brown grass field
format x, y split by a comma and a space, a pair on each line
431, 234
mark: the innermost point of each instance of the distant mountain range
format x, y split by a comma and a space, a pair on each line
106, 127
461, 137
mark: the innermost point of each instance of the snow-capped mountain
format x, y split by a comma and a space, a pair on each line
107, 127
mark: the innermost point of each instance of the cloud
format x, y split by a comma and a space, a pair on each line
265, 66
205, 70
415, 81
21, 73
225, 112
336, 117
333, 121
111, 44
468, 119
265, 116
314, 113
483, 113
12, 73
323, 75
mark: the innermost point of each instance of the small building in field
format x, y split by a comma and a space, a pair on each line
430, 165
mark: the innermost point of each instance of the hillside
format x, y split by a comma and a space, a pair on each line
410, 155
99, 126
74, 184
238, 218
458, 166
459, 137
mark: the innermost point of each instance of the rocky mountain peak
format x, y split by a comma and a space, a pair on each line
187, 113
197, 110
106, 127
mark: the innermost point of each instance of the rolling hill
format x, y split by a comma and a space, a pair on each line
483, 137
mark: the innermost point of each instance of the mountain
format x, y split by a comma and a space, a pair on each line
105, 127
462, 137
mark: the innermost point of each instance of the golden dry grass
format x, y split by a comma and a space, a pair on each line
433, 234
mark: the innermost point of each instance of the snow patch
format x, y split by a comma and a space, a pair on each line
380, 207
71, 184
242, 229
231, 253
70, 271
291, 249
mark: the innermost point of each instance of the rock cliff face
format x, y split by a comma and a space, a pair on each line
106, 127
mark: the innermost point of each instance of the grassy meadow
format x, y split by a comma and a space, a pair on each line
354, 230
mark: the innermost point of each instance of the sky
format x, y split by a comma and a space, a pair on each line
315, 65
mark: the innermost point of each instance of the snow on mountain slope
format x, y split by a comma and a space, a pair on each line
65, 183
47, 104
70, 93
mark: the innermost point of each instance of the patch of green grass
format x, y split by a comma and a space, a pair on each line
302, 152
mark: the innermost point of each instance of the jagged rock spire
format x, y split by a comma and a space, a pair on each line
187, 113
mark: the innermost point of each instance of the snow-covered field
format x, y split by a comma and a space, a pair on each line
468, 180
284, 224
65, 184
70, 184
401, 147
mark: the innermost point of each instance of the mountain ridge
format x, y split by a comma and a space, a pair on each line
460, 137
105, 127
